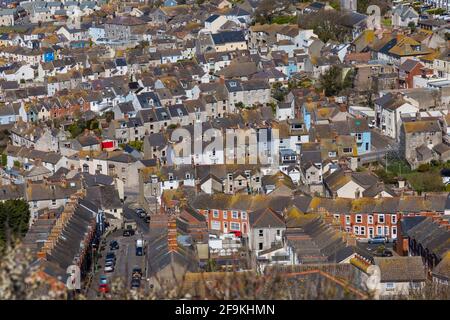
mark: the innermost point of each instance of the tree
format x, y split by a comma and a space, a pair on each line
327, 24
14, 221
412, 26
331, 81
278, 91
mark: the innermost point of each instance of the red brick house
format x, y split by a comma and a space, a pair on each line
408, 70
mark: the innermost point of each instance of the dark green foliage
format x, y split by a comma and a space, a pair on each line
327, 24
278, 91
424, 167
4, 160
383, 4
14, 220
331, 81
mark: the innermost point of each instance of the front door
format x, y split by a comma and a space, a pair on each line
225, 227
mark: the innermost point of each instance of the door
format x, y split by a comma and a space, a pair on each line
225, 227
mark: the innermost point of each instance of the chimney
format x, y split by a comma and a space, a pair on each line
172, 234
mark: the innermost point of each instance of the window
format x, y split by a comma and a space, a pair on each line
394, 232
235, 215
370, 232
380, 231
336, 217
362, 231
53, 202
215, 225
356, 230
347, 150
235, 226
278, 232
261, 233
348, 229
370, 219
225, 215
260, 246
386, 231
394, 219
381, 218
358, 218
347, 219
215, 213
244, 215
390, 286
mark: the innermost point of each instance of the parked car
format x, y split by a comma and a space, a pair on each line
110, 256
109, 267
141, 213
147, 219
114, 245
136, 273
103, 288
387, 253
135, 283
377, 240
103, 280
128, 232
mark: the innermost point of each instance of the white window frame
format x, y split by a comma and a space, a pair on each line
244, 215
235, 215
390, 286
381, 217
394, 231
215, 213
225, 214
216, 225
358, 218
370, 219
382, 231
347, 219
394, 218
362, 230
386, 231
356, 230
236, 227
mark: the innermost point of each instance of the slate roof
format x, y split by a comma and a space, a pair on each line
228, 37
401, 269
266, 218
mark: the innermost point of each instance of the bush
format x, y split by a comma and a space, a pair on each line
424, 167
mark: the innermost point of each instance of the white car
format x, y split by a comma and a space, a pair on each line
109, 268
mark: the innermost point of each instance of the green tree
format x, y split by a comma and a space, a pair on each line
331, 81
14, 221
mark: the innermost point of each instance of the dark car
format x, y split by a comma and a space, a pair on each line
110, 256
387, 253
141, 213
128, 232
114, 245
136, 273
135, 283
147, 219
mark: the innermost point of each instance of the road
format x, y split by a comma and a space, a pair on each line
126, 258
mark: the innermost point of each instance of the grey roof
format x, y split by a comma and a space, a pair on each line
228, 37
401, 269
266, 218
105, 197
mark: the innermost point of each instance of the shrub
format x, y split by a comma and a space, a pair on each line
424, 167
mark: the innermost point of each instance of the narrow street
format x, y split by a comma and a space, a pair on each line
126, 258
